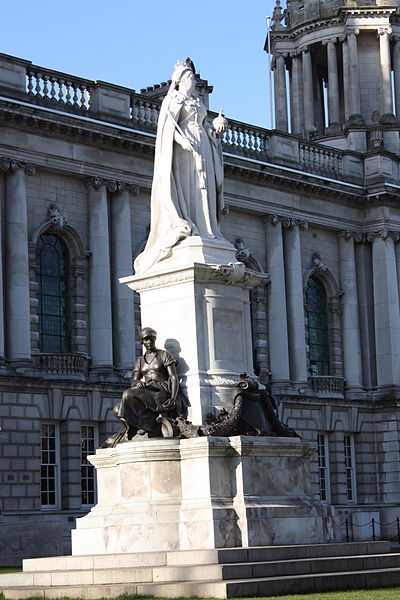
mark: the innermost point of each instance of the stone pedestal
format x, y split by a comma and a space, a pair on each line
202, 493
198, 302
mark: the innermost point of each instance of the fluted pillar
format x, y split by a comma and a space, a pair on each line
297, 96
101, 347
346, 80
396, 71
277, 319
308, 91
18, 326
295, 300
386, 309
386, 71
281, 112
121, 266
354, 74
333, 84
350, 311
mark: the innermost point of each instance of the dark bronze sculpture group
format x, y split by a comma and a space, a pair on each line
155, 406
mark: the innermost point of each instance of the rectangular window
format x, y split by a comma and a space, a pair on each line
50, 466
323, 468
88, 480
350, 468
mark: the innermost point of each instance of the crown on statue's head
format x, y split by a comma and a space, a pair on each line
179, 69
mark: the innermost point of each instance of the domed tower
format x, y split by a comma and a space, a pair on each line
343, 62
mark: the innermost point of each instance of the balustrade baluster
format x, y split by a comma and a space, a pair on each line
154, 115
134, 110
46, 79
75, 99
30, 83
61, 90
53, 81
147, 113
38, 86
68, 85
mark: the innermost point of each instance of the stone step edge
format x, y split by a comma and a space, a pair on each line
191, 587
316, 559
232, 580
28, 564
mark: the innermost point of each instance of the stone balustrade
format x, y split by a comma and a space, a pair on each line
67, 363
325, 161
45, 86
241, 138
115, 104
144, 112
326, 384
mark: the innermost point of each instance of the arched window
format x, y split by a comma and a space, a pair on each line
318, 336
52, 277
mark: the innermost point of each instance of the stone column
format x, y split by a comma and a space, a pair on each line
297, 95
121, 266
350, 311
386, 71
2, 320
295, 300
396, 70
354, 75
346, 79
333, 84
101, 347
18, 325
308, 91
277, 319
386, 309
281, 112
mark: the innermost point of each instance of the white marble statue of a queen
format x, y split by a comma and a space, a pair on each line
187, 192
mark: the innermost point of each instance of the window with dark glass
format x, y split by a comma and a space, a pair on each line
318, 337
88, 446
53, 294
49, 465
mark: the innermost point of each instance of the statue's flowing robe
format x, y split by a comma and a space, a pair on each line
187, 191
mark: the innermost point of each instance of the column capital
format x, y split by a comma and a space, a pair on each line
330, 41
384, 30
352, 31
287, 222
347, 235
383, 233
12, 165
113, 185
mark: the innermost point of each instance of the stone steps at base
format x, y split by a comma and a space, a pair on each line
199, 557
234, 589
207, 572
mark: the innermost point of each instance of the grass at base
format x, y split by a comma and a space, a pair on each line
371, 594
10, 569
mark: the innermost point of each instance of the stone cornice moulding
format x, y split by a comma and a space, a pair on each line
231, 274
11, 164
113, 185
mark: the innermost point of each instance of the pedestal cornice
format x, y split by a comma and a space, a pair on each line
231, 274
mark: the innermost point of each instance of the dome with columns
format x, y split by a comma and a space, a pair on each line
339, 56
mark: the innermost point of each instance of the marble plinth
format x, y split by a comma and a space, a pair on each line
202, 493
201, 312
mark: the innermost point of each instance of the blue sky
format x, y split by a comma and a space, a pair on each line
135, 43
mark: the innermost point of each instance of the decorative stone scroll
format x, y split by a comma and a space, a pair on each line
384, 233
112, 185
288, 222
11, 164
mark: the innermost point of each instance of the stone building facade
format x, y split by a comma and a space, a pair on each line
314, 203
